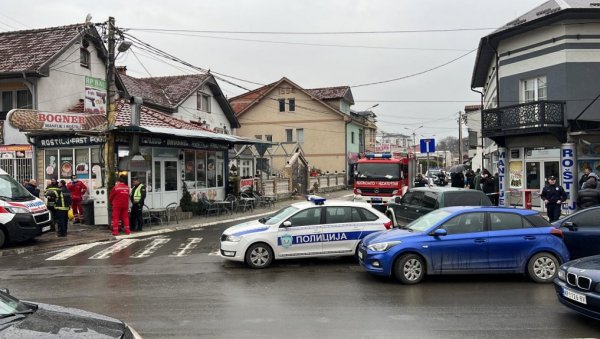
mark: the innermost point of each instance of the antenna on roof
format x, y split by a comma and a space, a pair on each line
88, 18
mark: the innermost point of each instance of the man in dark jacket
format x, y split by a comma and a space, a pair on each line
488, 186
589, 196
553, 195
61, 206
458, 179
584, 177
421, 181
31, 186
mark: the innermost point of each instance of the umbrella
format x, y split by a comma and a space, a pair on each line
457, 168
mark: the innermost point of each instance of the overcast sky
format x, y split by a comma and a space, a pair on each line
432, 99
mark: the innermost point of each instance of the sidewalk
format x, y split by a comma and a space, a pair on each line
82, 234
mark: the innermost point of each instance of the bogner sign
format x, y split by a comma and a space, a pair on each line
32, 120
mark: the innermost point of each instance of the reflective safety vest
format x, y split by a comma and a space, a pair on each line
137, 193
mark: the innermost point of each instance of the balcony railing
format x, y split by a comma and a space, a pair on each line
532, 117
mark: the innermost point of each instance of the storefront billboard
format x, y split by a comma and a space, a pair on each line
32, 120
95, 96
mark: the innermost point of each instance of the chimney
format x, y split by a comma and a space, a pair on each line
122, 70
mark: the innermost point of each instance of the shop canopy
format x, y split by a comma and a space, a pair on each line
193, 134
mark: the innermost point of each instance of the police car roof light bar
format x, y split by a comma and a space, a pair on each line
379, 155
317, 200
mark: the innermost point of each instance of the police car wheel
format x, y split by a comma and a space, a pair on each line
259, 255
2, 238
409, 269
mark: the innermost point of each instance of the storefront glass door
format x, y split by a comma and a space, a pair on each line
165, 183
533, 180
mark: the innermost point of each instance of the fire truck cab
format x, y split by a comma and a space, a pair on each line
379, 178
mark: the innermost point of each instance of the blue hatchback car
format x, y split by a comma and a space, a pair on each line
467, 239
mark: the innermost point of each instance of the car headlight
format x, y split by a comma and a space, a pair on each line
383, 246
562, 274
233, 238
15, 209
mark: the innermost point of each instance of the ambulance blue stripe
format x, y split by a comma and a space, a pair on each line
251, 231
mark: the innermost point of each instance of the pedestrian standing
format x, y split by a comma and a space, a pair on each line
458, 179
119, 201
77, 189
477, 180
584, 177
589, 196
138, 195
420, 181
488, 186
553, 195
51, 195
61, 206
31, 186
470, 177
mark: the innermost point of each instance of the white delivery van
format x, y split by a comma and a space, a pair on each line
22, 216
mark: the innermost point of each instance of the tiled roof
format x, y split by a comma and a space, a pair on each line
328, 93
167, 91
28, 51
240, 102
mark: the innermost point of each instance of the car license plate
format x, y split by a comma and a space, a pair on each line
580, 298
360, 255
376, 200
45, 228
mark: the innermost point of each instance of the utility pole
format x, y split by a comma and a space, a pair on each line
460, 141
111, 93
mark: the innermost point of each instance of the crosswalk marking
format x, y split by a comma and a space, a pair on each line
185, 248
73, 251
150, 248
107, 252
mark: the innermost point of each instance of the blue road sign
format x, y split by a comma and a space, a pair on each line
427, 145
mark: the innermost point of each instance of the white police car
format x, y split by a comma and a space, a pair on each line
314, 228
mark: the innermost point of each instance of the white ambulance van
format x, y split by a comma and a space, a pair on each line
22, 216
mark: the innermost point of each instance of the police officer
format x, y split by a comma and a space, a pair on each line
553, 195
61, 207
137, 197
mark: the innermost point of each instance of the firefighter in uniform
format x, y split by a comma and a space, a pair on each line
119, 200
51, 195
138, 195
61, 208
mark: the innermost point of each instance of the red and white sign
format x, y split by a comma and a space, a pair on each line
246, 184
61, 121
378, 183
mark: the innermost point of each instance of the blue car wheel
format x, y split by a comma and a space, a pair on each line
543, 267
409, 269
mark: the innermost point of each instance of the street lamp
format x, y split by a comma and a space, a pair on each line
414, 134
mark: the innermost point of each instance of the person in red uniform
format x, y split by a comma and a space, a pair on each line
119, 200
77, 189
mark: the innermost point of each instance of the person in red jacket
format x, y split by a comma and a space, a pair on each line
119, 200
77, 189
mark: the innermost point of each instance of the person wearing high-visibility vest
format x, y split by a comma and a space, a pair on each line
137, 197
61, 208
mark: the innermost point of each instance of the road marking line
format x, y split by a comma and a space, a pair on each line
150, 248
107, 252
186, 247
216, 252
73, 251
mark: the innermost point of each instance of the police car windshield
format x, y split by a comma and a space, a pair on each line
281, 215
428, 220
10, 189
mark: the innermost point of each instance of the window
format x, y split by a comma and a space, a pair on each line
534, 89
258, 136
7, 101
292, 105
281, 105
24, 99
352, 138
506, 221
84, 57
338, 215
586, 219
429, 200
366, 215
288, 135
203, 102
465, 223
300, 134
311, 216
268, 137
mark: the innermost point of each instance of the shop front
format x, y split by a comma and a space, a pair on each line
528, 169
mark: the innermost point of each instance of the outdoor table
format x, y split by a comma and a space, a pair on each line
252, 201
158, 213
224, 205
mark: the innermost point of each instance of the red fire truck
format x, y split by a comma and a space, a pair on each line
380, 178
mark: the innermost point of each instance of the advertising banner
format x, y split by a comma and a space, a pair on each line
502, 178
32, 120
95, 96
246, 184
567, 170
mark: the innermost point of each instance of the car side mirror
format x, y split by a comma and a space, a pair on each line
287, 223
440, 232
570, 225
397, 200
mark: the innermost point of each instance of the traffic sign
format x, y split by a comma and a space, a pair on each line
427, 145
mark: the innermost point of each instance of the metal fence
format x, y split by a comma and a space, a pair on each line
20, 169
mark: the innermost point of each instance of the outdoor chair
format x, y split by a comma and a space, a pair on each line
209, 207
233, 201
148, 218
246, 202
262, 200
171, 212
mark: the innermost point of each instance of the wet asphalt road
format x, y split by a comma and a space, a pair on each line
180, 288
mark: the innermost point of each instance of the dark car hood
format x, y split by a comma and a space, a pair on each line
51, 321
587, 263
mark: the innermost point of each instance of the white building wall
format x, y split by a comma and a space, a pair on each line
216, 118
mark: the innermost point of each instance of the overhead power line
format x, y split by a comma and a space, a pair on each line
464, 29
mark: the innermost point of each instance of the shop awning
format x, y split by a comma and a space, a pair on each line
194, 134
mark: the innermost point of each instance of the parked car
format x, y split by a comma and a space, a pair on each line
578, 285
437, 177
419, 201
23, 319
315, 228
467, 239
582, 232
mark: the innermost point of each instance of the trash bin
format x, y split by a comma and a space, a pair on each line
88, 211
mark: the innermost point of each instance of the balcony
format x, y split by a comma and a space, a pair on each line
539, 117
